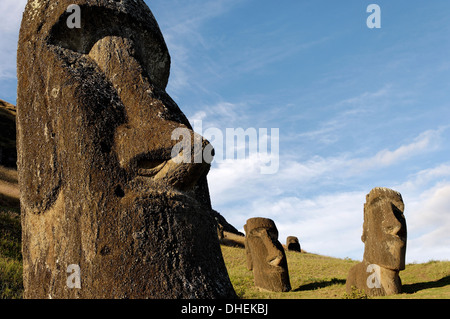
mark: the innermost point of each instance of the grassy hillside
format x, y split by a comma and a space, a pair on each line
320, 277
10, 255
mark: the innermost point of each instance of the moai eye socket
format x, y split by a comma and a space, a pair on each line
100, 22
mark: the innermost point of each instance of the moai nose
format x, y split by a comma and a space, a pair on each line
145, 143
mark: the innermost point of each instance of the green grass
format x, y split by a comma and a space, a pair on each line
320, 277
10, 279
10, 254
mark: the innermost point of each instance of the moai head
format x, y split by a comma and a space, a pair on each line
384, 229
265, 255
292, 243
101, 186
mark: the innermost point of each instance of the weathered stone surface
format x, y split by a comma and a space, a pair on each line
293, 244
265, 255
99, 188
384, 236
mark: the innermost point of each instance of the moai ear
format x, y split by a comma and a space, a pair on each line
37, 109
248, 253
39, 173
364, 232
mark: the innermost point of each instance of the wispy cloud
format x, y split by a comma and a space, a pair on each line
424, 177
11, 15
220, 115
366, 97
260, 56
341, 116
182, 28
318, 171
427, 141
346, 165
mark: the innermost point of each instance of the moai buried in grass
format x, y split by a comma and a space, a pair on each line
100, 191
265, 255
384, 237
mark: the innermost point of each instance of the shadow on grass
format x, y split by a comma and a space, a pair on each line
8, 201
320, 284
412, 288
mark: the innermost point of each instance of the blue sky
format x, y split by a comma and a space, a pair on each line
356, 108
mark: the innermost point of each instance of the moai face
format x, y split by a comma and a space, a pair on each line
292, 243
384, 229
265, 255
101, 187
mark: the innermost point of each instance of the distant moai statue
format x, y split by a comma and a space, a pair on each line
384, 236
100, 189
293, 244
220, 234
265, 255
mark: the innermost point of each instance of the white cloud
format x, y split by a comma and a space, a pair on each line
425, 142
11, 16
427, 214
240, 179
345, 166
326, 224
425, 177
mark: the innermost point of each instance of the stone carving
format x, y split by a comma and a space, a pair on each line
384, 237
293, 244
100, 191
265, 255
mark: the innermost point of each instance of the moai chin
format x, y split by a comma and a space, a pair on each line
107, 211
265, 255
384, 237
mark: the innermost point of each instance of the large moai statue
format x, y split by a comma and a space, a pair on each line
265, 255
384, 237
107, 210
